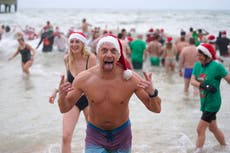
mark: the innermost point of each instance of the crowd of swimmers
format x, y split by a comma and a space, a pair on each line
156, 45
131, 50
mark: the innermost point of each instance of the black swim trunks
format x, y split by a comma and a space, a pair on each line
208, 116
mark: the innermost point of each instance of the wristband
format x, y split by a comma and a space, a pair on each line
154, 95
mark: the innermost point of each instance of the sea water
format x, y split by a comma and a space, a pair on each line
29, 124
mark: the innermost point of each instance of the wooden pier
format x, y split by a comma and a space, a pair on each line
5, 6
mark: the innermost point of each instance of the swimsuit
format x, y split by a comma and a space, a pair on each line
187, 73
117, 140
82, 103
155, 61
26, 55
170, 60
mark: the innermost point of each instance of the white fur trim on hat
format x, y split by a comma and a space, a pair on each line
212, 41
78, 36
111, 40
127, 74
204, 50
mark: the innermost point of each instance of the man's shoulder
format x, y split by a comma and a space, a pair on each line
188, 48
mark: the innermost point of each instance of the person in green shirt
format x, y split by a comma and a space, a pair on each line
207, 74
137, 47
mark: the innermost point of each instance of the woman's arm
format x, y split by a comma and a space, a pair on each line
15, 54
227, 78
194, 82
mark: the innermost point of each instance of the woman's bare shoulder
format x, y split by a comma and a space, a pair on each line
83, 77
87, 73
92, 57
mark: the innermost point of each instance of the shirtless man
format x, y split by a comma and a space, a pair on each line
155, 50
126, 49
108, 87
187, 59
181, 43
85, 27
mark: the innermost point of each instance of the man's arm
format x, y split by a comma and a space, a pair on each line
68, 95
40, 42
181, 62
148, 94
152, 103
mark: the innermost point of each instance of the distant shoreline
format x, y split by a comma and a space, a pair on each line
124, 9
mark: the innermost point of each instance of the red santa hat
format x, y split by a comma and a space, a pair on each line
150, 32
78, 35
208, 50
127, 74
169, 39
223, 34
211, 38
105, 32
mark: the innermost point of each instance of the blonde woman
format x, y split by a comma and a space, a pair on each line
77, 60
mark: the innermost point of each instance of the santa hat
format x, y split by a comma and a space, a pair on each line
211, 39
223, 34
127, 74
208, 50
77, 35
169, 39
105, 32
151, 31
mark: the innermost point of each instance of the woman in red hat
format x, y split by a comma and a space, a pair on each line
207, 75
77, 60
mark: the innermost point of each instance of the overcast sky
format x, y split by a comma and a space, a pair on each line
128, 4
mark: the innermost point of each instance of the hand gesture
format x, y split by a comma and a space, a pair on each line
64, 87
147, 83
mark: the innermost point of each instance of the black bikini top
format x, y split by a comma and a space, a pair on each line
70, 77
